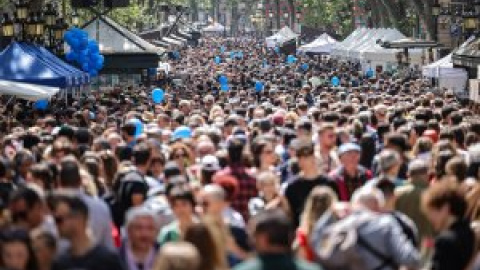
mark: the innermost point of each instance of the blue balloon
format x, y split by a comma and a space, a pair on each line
138, 126
71, 56
217, 60
258, 86
223, 79
277, 49
158, 95
75, 44
291, 59
232, 55
224, 87
369, 73
40, 104
182, 132
240, 55
83, 57
86, 67
335, 81
222, 49
305, 67
83, 43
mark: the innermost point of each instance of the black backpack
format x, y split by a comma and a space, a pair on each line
119, 200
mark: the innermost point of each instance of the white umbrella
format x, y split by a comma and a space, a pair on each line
32, 92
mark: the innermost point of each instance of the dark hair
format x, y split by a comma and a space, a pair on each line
257, 148
69, 175
181, 193
4, 167
457, 167
276, 226
31, 198
202, 238
458, 135
445, 193
441, 161
456, 118
141, 154
74, 202
42, 171
129, 129
235, 151
123, 152
367, 144
20, 236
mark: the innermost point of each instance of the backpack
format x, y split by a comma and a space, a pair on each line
119, 199
338, 248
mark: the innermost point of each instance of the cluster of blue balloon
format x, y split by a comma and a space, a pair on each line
84, 51
258, 86
335, 81
158, 95
223, 80
236, 55
40, 105
291, 59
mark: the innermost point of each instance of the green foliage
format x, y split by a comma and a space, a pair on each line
329, 14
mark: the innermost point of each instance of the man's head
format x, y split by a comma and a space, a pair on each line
27, 207
70, 213
69, 174
327, 136
305, 154
389, 162
418, 171
213, 200
273, 232
370, 198
181, 201
142, 228
349, 154
142, 154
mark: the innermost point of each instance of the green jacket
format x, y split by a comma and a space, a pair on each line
276, 262
409, 201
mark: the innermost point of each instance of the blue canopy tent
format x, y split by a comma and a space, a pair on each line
18, 64
79, 77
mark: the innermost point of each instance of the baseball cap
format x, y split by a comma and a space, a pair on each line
210, 163
348, 147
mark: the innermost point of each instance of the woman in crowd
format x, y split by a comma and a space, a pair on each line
17, 251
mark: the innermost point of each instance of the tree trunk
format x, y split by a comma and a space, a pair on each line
194, 9
428, 19
279, 15
291, 6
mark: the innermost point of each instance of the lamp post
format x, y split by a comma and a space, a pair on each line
36, 27
285, 15
470, 21
436, 9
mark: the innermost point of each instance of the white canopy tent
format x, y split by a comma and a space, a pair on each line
448, 76
323, 44
362, 45
285, 34
27, 91
215, 27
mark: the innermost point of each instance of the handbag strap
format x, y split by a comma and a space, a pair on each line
384, 259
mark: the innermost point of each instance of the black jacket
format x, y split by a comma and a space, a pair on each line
454, 247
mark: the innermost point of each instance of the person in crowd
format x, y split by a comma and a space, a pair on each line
328, 159
263, 155
235, 238
182, 203
350, 175
178, 256
211, 254
273, 234
71, 214
100, 218
320, 200
445, 207
45, 247
16, 250
140, 247
383, 244
408, 197
269, 194
298, 189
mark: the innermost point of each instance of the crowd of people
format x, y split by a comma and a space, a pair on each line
377, 172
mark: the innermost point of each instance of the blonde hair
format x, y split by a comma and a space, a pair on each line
177, 256
318, 202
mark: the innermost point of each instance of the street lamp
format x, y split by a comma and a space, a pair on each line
75, 18
8, 27
436, 8
470, 21
21, 10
